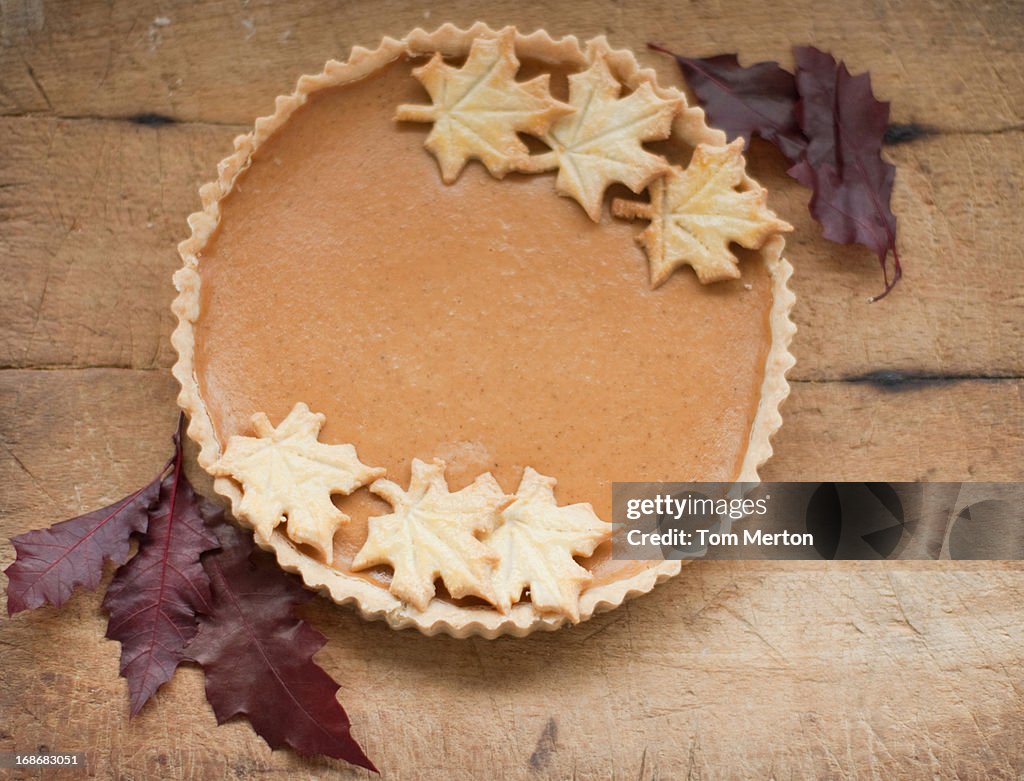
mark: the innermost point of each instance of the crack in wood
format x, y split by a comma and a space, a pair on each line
152, 119
85, 367
149, 118
896, 133
907, 132
898, 380
883, 379
546, 745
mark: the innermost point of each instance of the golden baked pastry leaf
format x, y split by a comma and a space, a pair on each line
602, 141
288, 475
433, 533
698, 211
537, 541
479, 108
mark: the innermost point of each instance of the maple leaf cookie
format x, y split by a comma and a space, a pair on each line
288, 477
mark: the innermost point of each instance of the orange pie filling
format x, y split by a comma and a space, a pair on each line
487, 323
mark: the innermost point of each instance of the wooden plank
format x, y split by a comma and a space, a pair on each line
90, 213
928, 431
734, 669
953, 65
960, 307
729, 671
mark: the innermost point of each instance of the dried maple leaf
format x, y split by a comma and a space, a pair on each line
757, 100
479, 108
695, 213
434, 533
845, 127
53, 562
537, 541
154, 598
602, 141
257, 655
286, 474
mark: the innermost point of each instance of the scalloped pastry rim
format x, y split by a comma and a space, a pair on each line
373, 601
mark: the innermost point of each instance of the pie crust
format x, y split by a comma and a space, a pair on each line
373, 601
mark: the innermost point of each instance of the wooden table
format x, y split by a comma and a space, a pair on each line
112, 113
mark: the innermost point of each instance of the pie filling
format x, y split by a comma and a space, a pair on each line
487, 323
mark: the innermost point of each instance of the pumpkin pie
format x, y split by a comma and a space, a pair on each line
448, 292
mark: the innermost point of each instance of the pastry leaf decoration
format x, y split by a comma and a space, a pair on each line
236, 607
434, 533
602, 141
537, 541
287, 474
696, 212
828, 125
478, 109
257, 654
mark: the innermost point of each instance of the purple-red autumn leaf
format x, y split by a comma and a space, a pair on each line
257, 655
154, 598
746, 101
845, 127
53, 562
836, 111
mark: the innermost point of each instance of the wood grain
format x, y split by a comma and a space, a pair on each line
111, 115
733, 670
729, 671
955, 66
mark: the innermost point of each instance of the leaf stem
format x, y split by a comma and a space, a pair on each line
537, 164
897, 274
